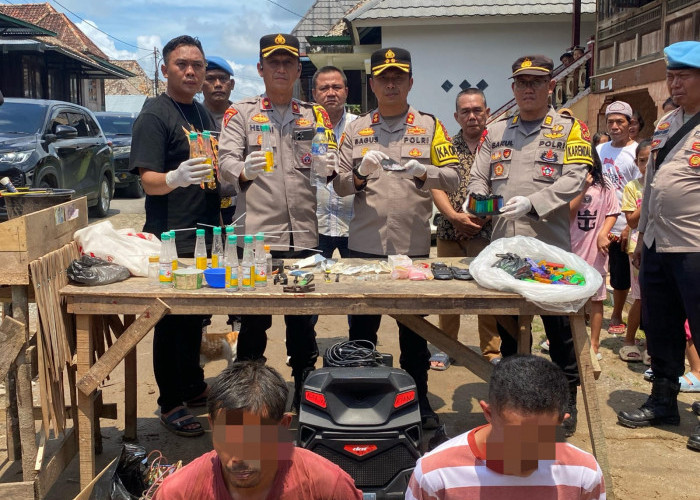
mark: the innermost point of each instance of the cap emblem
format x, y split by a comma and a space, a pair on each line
280, 40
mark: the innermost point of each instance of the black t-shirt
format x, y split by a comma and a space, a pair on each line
159, 143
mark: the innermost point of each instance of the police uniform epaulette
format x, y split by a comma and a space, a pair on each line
506, 118
247, 100
365, 113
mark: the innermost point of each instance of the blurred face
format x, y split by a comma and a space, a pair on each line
391, 87
331, 92
634, 128
185, 71
618, 129
578, 53
684, 87
249, 448
517, 442
567, 60
531, 93
279, 71
217, 87
643, 158
471, 115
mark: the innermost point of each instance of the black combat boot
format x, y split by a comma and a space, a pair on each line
660, 408
429, 419
569, 425
694, 439
298, 387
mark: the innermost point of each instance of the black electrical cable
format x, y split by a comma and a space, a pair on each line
353, 353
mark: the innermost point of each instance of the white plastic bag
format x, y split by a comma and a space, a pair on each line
550, 297
124, 246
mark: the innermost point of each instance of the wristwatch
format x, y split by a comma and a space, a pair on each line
357, 174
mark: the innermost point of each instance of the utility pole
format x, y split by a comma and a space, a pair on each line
155, 77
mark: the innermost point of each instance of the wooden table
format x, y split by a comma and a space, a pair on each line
143, 303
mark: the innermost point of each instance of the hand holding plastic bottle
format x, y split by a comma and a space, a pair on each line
192, 171
254, 164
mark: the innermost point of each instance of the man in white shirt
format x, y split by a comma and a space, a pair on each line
618, 160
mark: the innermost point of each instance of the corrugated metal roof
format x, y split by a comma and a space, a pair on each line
403, 9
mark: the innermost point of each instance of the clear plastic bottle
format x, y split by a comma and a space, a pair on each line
200, 251
268, 259
208, 153
154, 268
173, 250
247, 265
266, 147
231, 263
229, 231
165, 264
319, 148
260, 261
217, 249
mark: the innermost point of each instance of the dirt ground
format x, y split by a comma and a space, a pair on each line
651, 463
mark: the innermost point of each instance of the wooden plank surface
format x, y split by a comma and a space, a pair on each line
11, 342
17, 491
130, 388
92, 378
86, 408
57, 464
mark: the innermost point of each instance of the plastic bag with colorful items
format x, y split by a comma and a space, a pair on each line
550, 296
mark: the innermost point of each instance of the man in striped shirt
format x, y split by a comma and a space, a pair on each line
516, 454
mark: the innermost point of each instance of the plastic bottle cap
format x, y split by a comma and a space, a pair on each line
248, 239
153, 258
165, 237
217, 230
259, 236
232, 238
172, 234
206, 134
200, 232
230, 229
193, 136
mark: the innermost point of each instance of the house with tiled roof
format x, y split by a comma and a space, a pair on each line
454, 44
54, 60
129, 94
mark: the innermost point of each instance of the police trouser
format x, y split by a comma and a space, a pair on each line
300, 333
670, 286
561, 342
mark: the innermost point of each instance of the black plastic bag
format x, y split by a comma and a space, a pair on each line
94, 271
125, 478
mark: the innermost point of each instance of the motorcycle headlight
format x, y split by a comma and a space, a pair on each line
16, 156
121, 150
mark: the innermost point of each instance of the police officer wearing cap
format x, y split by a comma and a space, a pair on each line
537, 161
217, 87
669, 226
283, 201
392, 208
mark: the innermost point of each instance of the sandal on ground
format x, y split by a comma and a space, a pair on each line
618, 329
689, 383
439, 361
649, 375
630, 353
199, 401
177, 421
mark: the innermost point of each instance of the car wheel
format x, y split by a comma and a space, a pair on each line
104, 197
135, 190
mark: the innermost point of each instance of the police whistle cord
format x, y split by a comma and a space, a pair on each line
353, 353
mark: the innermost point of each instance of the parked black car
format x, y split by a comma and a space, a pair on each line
117, 127
56, 144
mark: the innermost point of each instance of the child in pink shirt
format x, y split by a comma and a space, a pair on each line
593, 214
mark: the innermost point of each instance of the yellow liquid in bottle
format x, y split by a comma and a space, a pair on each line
270, 162
175, 265
201, 263
214, 260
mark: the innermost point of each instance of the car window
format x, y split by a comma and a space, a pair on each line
92, 126
60, 118
21, 118
79, 121
117, 125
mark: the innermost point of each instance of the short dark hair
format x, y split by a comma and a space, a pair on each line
597, 136
669, 102
249, 386
637, 116
180, 40
646, 143
529, 385
471, 91
328, 69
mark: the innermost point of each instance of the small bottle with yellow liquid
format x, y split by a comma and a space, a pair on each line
200, 251
217, 249
247, 279
231, 263
208, 153
266, 147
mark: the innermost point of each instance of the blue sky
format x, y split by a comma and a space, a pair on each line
227, 28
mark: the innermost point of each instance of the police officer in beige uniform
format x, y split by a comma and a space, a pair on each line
392, 209
670, 256
284, 200
537, 161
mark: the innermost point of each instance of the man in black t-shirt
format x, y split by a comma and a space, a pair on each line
174, 200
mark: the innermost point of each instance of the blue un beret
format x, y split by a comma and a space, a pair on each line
216, 62
682, 55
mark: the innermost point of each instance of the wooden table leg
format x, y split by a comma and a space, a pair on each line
524, 334
86, 408
130, 388
582, 347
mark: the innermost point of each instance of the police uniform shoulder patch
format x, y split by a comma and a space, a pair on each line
366, 131
265, 103
655, 143
410, 118
260, 118
302, 122
548, 120
695, 146
585, 133
578, 149
442, 152
694, 161
325, 119
230, 113
375, 117
295, 107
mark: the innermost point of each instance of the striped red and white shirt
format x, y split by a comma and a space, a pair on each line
457, 470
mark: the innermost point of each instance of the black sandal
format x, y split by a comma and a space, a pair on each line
176, 423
